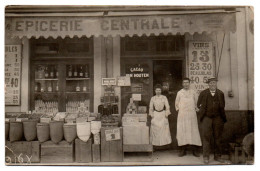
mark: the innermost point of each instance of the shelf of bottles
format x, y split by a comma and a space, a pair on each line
46, 89
78, 88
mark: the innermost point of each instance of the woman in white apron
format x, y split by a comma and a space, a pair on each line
159, 110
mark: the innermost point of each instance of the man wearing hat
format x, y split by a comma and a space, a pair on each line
212, 115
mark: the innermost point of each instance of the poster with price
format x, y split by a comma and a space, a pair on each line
201, 64
12, 74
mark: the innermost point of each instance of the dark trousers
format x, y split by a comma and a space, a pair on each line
212, 127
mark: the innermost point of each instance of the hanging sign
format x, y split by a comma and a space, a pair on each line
112, 134
137, 97
123, 81
137, 71
201, 64
108, 81
12, 74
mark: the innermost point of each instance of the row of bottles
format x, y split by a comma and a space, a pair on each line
47, 71
46, 107
81, 87
77, 106
77, 71
48, 86
108, 109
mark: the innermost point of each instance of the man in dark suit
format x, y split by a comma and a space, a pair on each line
212, 115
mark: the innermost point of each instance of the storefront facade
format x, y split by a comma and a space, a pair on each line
151, 46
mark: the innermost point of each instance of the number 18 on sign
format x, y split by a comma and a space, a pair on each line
201, 64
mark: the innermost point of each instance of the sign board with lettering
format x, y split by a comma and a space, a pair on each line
123, 81
112, 134
108, 81
137, 71
12, 74
137, 97
49, 26
201, 64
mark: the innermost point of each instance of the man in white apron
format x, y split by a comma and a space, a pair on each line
159, 110
187, 123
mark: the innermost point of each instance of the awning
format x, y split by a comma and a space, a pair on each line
63, 26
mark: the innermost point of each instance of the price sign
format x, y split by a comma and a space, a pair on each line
112, 134
12, 74
108, 81
201, 64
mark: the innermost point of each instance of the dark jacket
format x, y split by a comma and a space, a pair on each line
202, 103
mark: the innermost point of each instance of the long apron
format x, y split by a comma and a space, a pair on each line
187, 123
160, 131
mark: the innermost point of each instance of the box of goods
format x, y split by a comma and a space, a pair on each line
22, 152
46, 118
36, 117
60, 116
23, 117
141, 117
63, 152
136, 135
134, 120
83, 152
71, 118
109, 121
112, 144
10, 116
96, 153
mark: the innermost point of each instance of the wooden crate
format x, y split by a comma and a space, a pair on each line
96, 153
83, 152
111, 151
22, 152
141, 153
136, 135
63, 152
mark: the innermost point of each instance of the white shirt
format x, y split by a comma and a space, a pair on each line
213, 93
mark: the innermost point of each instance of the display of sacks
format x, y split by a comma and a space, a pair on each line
30, 129
43, 132
70, 132
95, 127
56, 131
84, 131
7, 127
16, 131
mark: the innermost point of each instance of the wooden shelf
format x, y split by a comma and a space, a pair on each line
47, 92
46, 79
71, 79
78, 92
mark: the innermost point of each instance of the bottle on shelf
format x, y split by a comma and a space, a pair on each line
75, 71
51, 72
84, 88
77, 87
46, 72
49, 86
56, 71
86, 72
70, 71
81, 74
56, 86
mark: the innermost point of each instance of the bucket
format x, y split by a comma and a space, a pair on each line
83, 131
30, 130
7, 127
16, 131
43, 132
70, 132
56, 131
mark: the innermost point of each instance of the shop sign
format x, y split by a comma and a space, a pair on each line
12, 74
137, 71
123, 81
108, 81
112, 134
201, 64
47, 26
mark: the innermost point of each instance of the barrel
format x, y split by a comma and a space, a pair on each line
83, 131
7, 128
56, 131
30, 129
43, 132
16, 131
70, 132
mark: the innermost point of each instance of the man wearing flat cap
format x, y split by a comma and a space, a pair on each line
211, 104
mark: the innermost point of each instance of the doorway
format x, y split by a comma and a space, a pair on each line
169, 74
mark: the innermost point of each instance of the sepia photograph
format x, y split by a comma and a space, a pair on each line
119, 85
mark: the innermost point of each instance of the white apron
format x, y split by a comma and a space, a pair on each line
160, 131
187, 123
